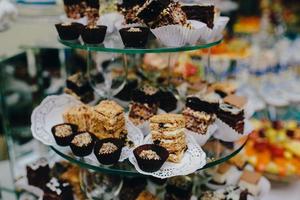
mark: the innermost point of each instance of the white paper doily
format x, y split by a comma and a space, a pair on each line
194, 158
228, 134
49, 113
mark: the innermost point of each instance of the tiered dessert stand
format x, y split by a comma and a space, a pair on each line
215, 155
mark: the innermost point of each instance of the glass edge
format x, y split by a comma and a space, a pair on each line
128, 173
140, 51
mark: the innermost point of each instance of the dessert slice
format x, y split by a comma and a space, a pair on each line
151, 9
203, 13
78, 115
144, 104
232, 116
167, 130
38, 173
222, 174
179, 187
79, 87
249, 180
199, 112
109, 120
58, 190
171, 15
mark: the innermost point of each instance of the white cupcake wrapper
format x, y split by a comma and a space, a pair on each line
209, 35
178, 35
202, 139
109, 20
228, 134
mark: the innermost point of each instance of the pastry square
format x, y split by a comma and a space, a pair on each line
167, 122
78, 115
203, 13
109, 109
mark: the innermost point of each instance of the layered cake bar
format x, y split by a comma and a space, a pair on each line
172, 14
109, 120
38, 173
167, 130
78, 115
203, 13
151, 9
222, 174
249, 180
199, 112
232, 116
144, 104
79, 87
58, 190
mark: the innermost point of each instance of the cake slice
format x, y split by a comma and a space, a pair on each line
249, 180
232, 116
151, 9
200, 112
167, 130
144, 104
203, 13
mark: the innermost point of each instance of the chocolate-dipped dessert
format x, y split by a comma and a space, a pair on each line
93, 34
82, 144
135, 37
64, 133
68, 31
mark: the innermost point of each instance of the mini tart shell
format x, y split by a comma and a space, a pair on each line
135, 39
64, 141
69, 32
84, 150
151, 165
110, 158
93, 35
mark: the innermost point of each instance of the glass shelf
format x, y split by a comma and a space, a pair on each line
113, 46
127, 169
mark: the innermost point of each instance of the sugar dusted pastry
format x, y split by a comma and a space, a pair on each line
167, 130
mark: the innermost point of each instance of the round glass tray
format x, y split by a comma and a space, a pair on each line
216, 151
115, 46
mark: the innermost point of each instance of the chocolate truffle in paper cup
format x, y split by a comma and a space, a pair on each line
108, 151
150, 157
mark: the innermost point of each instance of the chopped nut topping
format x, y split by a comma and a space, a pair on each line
108, 148
83, 139
149, 155
63, 130
132, 29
